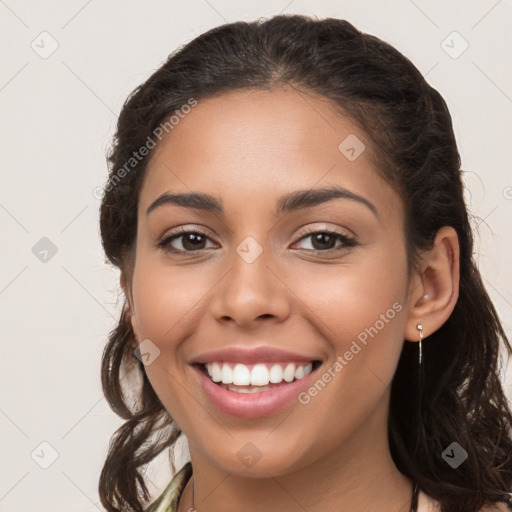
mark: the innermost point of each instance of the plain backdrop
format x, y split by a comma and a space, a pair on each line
66, 69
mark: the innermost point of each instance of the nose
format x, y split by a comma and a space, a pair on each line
251, 293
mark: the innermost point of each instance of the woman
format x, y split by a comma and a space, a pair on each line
286, 209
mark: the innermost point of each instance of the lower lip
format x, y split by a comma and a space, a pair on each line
252, 405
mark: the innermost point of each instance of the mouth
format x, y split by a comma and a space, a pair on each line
256, 378
254, 390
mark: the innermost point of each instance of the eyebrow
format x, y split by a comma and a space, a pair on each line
287, 203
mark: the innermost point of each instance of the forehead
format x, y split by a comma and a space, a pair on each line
245, 143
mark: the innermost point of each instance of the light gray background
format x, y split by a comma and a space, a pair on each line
58, 114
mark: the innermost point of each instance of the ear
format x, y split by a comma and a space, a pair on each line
129, 306
435, 288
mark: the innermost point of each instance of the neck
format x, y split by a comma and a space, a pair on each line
358, 475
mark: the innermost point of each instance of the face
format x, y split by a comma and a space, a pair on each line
322, 280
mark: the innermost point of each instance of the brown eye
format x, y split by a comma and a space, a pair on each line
190, 241
323, 241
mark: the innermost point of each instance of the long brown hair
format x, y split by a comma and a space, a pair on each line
458, 395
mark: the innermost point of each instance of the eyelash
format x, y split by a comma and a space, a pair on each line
348, 242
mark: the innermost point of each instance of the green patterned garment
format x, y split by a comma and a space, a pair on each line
169, 499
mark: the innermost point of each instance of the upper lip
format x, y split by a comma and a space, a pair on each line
251, 355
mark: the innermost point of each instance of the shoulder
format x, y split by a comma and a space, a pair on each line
428, 504
168, 500
497, 507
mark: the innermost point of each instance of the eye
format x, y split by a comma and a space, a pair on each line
195, 240
191, 240
325, 240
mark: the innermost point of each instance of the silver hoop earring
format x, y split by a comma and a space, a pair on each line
420, 330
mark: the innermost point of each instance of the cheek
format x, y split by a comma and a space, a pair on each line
359, 309
165, 297
166, 302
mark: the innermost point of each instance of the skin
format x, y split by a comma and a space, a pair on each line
248, 148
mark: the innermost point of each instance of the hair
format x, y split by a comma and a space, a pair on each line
456, 394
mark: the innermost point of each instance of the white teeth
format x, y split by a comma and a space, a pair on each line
299, 372
257, 389
226, 374
241, 375
215, 372
276, 374
302, 371
260, 374
289, 372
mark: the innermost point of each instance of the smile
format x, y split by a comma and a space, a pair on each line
254, 378
254, 390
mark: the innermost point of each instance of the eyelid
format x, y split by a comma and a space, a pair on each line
325, 228
348, 241
178, 232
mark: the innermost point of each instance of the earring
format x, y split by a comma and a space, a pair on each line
420, 330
